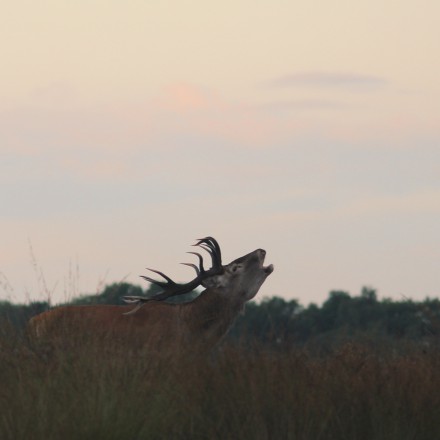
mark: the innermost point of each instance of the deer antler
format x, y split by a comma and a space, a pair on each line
171, 288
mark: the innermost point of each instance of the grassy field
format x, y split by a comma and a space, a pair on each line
102, 392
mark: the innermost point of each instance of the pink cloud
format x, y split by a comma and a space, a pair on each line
183, 97
189, 109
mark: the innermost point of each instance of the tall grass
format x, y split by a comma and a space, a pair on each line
100, 391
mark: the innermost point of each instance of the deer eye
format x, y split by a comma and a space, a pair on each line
236, 267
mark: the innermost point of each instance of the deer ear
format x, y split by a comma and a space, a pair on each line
214, 282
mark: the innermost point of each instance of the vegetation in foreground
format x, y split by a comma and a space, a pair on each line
354, 368
253, 392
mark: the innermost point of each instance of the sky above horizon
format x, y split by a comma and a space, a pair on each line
309, 129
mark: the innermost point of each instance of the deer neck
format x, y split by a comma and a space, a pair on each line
211, 315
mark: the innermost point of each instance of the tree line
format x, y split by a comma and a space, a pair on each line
276, 321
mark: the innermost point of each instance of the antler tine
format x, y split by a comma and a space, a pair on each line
212, 247
202, 269
193, 266
207, 241
212, 243
138, 303
129, 299
216, 247
162, 284
162, 275
153, 281
211, 253
206, 248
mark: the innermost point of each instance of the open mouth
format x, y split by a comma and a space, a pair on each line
268, 269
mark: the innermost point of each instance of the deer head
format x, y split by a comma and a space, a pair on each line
240, 280
243, 277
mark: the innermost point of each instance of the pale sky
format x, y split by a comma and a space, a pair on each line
310, 129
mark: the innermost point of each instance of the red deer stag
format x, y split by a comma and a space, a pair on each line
198, 324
